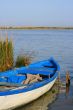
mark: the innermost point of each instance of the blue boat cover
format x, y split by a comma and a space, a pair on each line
13, 79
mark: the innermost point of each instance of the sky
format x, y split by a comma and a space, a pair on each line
36, 12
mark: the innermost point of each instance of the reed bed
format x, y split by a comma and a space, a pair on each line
6, 54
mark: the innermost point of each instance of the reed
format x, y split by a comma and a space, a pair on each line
23, 60
6, 54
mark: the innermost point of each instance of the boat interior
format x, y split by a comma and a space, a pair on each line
14, 78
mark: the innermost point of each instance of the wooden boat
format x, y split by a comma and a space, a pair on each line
13, 93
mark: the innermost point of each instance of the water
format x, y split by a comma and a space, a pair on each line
44, 44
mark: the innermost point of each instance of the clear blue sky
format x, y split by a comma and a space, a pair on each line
36, 12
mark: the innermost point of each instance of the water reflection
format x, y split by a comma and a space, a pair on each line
43, 102
67, 90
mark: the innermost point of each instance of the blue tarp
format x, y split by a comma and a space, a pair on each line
13, 79
16, 79
8, 73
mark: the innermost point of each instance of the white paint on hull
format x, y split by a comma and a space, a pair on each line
13, 101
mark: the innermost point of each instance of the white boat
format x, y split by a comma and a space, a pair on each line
14, 94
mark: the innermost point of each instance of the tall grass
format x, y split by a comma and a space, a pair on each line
23, 60
6, 54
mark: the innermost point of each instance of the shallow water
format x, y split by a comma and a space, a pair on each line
65, 98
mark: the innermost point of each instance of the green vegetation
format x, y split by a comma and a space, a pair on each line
22, 60
6, 55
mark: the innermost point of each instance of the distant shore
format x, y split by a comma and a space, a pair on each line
33, 27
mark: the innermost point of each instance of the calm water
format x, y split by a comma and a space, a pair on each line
44, 44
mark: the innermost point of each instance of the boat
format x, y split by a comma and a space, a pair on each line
14, 94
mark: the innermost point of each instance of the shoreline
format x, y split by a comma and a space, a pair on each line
34, 28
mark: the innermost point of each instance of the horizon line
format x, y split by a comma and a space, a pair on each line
36, 27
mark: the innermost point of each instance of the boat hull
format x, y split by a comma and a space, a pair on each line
13, 101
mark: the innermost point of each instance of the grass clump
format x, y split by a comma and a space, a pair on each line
22, 60
6, 54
